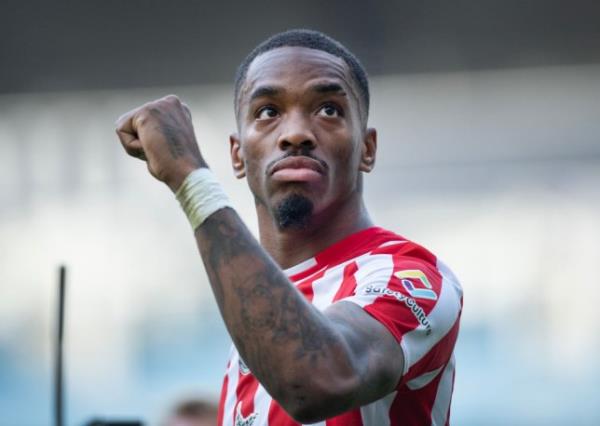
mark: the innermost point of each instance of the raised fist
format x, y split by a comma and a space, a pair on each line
161, 133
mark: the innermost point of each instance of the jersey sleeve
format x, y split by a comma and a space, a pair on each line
419, 302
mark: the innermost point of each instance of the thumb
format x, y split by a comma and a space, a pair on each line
129, 138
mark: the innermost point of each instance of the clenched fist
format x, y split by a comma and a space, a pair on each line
161, 133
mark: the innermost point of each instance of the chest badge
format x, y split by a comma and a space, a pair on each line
240, 420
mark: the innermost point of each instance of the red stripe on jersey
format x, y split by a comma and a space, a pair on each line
305, 285
348, 286
245, 391
413, 407
391, 248
351, 418
221, 411
437, 356
409, 250
354, 245
278, 416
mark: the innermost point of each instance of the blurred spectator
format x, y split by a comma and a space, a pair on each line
192, 412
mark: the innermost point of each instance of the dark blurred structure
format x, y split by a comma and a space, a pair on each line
46, 46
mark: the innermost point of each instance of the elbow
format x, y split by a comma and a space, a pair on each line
320, 397
307, 415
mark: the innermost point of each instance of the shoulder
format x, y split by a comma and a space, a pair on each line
408, 272
409, 289
391, 256
397, 260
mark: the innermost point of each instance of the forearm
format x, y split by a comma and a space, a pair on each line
276, 331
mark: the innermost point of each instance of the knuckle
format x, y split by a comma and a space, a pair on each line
122, 121
173, 99
187, 109
142, 117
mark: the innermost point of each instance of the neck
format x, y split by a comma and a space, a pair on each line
291, 246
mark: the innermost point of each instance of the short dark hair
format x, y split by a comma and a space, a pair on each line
313, 40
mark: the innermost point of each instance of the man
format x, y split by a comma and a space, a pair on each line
333, 320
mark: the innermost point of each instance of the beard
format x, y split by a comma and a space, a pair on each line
293, 212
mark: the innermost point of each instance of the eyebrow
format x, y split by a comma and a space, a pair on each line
264, 91
325, 88
321, 88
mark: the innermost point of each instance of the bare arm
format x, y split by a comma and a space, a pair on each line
315, 364
352, 358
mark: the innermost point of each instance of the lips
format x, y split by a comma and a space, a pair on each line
297, 169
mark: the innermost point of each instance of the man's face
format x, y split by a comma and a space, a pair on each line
301, 142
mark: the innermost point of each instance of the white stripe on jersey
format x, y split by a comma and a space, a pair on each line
326, 287
368, 264
378, 413
232, 381
373, 270
440, 408
302, 266
423, 380
391, 243
442, 318
451, 278
311, 276
262, 402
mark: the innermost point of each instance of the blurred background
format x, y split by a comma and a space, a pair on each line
489, 154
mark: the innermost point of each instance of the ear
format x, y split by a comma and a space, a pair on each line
369, 151
237, 157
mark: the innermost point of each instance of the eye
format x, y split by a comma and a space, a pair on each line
330, 110
266, 112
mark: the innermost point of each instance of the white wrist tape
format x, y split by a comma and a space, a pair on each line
200, 195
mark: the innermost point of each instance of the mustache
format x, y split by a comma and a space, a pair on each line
302, 154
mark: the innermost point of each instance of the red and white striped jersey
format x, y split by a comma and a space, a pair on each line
410, 292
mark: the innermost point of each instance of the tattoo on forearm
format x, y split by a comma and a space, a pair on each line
269, 308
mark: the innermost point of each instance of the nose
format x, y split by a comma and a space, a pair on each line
296, 133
